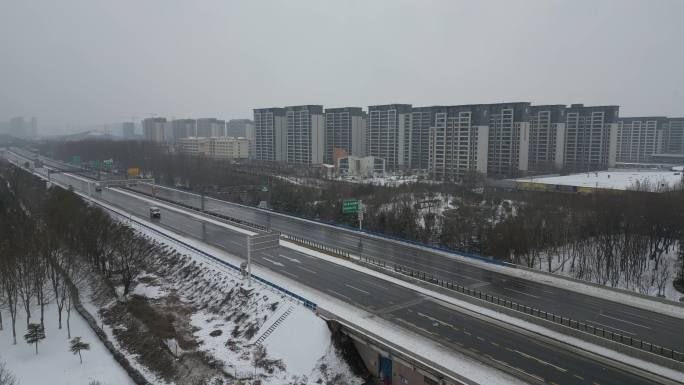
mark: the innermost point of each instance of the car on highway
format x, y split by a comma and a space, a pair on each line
155, 213
98, 188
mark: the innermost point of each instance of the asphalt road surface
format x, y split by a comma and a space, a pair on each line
404, 307
613, 316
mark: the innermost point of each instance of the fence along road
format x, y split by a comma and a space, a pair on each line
614, 317
395, 303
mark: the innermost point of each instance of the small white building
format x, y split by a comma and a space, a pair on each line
224, 147
367, 166
228, 147
195, 146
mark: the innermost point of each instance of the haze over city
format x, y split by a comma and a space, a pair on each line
79, 63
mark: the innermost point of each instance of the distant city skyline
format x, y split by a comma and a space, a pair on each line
100, 63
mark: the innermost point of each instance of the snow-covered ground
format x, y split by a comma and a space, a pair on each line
615, 179
231, 316
54, 364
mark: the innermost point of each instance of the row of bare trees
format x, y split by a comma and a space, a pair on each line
51, 240
611, 238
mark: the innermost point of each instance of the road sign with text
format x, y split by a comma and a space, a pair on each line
350, 206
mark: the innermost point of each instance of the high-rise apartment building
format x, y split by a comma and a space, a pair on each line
590, 137
459, 139
673, 136
388, 134
422, 121
345, 130
547, 137
270, 134
305, 134
183, 128
638, 138
508, 138
208, 127
154, 129
239, 127
128, 130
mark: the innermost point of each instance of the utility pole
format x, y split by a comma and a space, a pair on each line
360, 214
249, 260
202, 198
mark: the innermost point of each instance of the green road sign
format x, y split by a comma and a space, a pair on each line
95, 164
350, 206
76, 160
108, 164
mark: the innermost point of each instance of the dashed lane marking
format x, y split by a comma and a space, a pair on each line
288, 273
339, 294
356, 288
627, 322
541, 361
305, 269
520, 292
611, 327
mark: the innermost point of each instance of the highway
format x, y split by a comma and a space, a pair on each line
402, 306
613, 316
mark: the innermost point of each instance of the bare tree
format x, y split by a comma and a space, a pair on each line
6, 376
131, 255
8, 284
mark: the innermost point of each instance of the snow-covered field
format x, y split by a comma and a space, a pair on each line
54, 364
615, 179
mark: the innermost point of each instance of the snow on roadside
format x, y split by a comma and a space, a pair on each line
648, 283
470, 368
230, 316
54, 364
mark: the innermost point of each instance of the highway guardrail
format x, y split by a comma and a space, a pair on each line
532, 311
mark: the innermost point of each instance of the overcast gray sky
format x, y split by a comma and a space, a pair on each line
72, 62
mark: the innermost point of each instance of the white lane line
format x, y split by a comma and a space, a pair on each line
637, 316
295, 260
414, 326
376, 285
627, 322
274, 262
540, 361
520, 292
339, 294
305, 269
433, 319
288, 273
611, 327
356, 288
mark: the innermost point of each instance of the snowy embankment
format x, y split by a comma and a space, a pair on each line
297, 340
251, 331
54, 364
